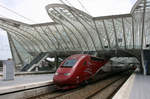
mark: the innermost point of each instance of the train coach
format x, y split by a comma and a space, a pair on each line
77, 69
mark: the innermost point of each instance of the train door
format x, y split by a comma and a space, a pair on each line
93, 66
88, 69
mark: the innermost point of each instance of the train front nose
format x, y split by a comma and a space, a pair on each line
61, 79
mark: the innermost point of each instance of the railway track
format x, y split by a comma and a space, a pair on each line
103, 89
107, 91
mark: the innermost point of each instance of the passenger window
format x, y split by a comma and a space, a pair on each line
85, 63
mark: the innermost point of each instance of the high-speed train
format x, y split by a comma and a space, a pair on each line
77, 69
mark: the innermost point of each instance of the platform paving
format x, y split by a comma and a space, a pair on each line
25, 81
136, 87
141, 87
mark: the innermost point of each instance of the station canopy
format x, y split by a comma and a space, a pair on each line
75, 30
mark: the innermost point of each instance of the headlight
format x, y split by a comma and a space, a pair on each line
66, 74
56, 73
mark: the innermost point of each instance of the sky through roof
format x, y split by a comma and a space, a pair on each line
35, 9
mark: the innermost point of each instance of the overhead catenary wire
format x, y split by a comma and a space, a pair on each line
18, 14
69, 3
83, 7
65, 3
4, 7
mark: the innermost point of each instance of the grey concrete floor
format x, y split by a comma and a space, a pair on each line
25, 79
141, 87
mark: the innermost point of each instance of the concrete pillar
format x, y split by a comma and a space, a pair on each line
8, 70
145, 61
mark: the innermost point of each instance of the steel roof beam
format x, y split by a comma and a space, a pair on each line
115, 33
106, 32
124, 36
75, 29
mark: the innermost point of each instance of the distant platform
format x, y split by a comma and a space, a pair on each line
23, 82
136, 87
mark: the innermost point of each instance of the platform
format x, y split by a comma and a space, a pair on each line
23, 82
136, 87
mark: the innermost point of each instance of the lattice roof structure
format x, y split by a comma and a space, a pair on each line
75, 30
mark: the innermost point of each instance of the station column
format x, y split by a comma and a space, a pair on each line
145, 59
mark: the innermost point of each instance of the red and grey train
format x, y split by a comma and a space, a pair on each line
76, 69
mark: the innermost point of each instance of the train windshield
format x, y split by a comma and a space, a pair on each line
69, 63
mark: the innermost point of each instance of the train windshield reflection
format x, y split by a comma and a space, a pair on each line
69, 63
